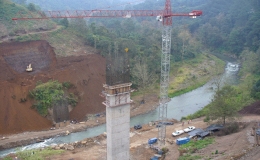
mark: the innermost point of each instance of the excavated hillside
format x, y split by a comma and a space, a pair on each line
87, 73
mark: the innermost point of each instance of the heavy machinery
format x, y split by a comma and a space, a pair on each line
164, 16
29, 68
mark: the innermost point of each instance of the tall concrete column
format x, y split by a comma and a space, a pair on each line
118, 121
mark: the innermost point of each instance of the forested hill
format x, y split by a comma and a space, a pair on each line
230, 25
226, 25
9, 28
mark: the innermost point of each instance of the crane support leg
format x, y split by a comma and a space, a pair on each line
164, 84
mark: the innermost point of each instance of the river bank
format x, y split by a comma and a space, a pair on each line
228, 146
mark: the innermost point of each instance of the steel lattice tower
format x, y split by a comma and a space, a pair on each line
165, 68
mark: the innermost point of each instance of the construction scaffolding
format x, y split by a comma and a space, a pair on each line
117, 68
121, 94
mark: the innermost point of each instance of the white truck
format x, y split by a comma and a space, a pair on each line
177, 132
188, 129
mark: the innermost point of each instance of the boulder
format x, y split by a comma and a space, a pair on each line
70, 147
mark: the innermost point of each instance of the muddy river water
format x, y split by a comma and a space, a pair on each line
178, 107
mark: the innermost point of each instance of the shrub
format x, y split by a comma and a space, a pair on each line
67, 85
72, 99
230, 128
165, 150
206, 119
47, 94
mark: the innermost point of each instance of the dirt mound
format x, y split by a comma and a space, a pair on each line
251, 109
87, 73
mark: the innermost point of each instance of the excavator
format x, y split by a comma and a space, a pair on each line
29, 68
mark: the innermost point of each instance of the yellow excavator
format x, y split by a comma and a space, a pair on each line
29, 68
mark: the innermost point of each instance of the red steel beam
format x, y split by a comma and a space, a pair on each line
105, 14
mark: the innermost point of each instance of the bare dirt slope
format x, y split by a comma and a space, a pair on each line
87, 73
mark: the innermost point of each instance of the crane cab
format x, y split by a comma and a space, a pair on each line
159, 18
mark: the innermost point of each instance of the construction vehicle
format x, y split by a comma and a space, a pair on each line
29, 68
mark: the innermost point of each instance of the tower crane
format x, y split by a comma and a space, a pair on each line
164, 16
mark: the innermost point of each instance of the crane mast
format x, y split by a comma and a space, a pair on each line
162, 15
164, 81
165, 70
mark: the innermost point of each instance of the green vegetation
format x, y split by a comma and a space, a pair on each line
66, 41
200, 113
193, 73
181, 71
9, 10
189, 88
244, 92
196, 145
35, 154
192, 147
255, 92
7, 158
29, 37
226, 26
49, 93
225, 104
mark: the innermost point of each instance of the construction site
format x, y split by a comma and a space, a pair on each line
102, 85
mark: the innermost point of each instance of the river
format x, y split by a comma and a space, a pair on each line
178, 107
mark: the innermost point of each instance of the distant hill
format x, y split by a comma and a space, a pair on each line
9, 10
70, 5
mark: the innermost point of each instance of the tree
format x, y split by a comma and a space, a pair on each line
64, 22
255, 92
79, 24
236, 41
31, 7
251, 61
225, 104
184, 35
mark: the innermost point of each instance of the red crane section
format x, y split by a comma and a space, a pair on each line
163, 15
104, 14
167, 20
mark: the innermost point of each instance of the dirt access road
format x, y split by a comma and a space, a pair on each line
23, 33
